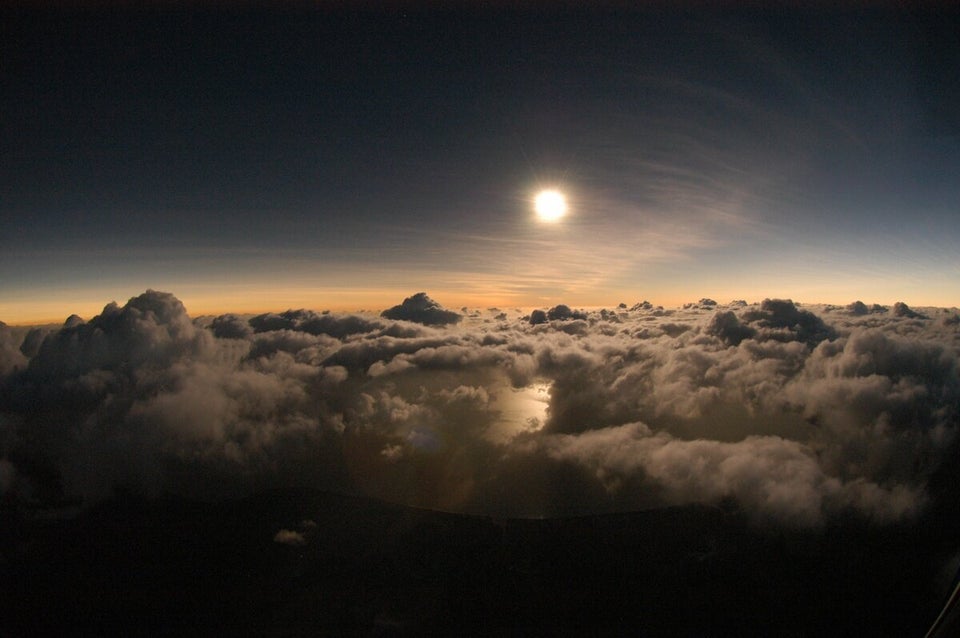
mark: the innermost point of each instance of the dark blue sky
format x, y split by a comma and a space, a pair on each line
335, 158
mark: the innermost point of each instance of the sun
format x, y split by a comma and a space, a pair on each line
550, 205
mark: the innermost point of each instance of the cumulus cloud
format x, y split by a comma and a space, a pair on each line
901, 309
230, 327
289, 537
858, 308
422, 309
305, 531
770, 476
317, 324
781, 319
727, 326
798, 415
12, 355
562, 312
704, 303
538, 317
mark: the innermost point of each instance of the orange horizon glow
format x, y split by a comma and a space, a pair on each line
34, 311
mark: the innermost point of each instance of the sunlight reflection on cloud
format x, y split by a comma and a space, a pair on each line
519, 410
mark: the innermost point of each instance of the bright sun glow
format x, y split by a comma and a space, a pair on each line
550, 205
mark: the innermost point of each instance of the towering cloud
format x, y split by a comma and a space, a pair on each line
422, 309
796, 415
11, 352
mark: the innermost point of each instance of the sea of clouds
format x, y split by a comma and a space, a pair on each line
793, 414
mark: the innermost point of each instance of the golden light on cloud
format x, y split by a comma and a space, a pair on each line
520, 411
550, 205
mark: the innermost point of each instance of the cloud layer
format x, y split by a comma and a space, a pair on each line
795, 415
